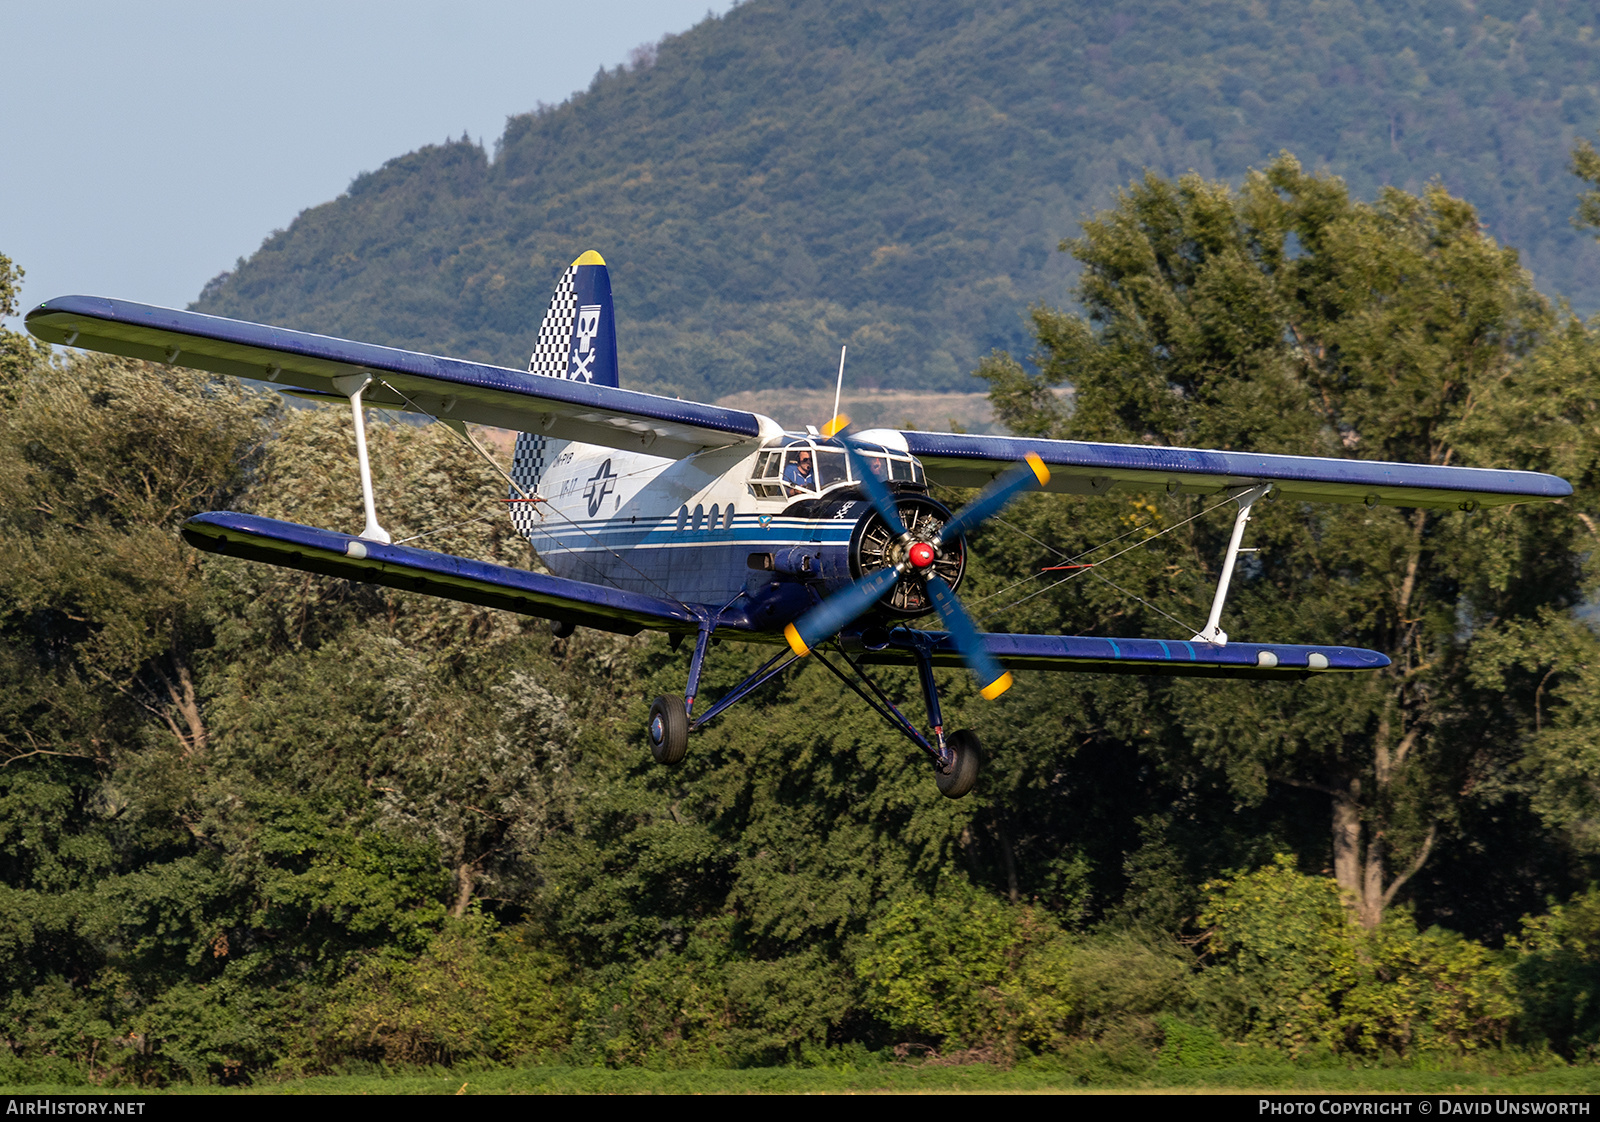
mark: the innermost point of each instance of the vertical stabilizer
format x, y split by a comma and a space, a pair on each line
578, 338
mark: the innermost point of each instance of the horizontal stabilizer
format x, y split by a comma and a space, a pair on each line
1170, 657
435, 574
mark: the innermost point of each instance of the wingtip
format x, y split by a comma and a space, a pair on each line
590, 257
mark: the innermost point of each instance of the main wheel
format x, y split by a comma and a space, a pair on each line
963, 775
668, 730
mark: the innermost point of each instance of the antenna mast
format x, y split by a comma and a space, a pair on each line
839, 388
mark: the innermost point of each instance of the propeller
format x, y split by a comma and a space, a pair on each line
915, 559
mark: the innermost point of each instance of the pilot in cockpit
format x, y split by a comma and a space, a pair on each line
797, 477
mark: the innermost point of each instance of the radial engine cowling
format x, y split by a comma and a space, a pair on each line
873, 546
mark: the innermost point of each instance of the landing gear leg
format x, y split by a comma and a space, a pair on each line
668, 729
696, 664
956, 759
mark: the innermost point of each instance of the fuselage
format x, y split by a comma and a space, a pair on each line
732, 528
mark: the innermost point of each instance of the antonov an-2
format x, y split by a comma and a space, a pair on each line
653, 512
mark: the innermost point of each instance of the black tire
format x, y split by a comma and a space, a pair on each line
561, 628
668, 730
963, 775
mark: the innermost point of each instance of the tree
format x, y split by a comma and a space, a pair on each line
1286, 317
18, 353
1586, 166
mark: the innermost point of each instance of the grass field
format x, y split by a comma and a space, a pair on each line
900, 1079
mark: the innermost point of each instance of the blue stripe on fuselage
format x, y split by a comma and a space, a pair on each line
699, 566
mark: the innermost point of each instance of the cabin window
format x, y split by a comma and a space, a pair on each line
699, 515
808, 467
907, 471
894, 466
683, 518
831, 468
767, 484
800, 469
716, 516
727, 518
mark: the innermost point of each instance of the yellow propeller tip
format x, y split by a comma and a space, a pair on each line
838, 424
797, 644
1040, 472
997, 687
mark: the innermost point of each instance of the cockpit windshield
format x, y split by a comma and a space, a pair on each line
810, 466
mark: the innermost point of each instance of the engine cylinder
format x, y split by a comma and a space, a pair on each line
873, 546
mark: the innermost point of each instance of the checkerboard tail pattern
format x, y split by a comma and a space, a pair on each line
529, 458
550, 352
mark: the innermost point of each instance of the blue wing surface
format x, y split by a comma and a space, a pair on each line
633, 421
609, 609
436, 574
444, 387
1169, 657
1079, 467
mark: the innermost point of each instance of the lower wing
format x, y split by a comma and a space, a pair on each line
1167, 657
436, 574
611, 609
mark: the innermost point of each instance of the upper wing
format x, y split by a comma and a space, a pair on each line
443, 387
437, 574
1079, 467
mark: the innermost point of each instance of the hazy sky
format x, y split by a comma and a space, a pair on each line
148, 145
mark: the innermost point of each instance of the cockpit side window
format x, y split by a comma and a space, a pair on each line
810, 467
831, 467
767, 481
800, 469
895, 466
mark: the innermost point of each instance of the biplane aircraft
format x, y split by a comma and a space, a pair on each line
697, 520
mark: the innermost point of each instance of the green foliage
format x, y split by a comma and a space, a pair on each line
1291, 971
256, 823
793, 176
1557, 976
1286, 316
1283, 943
1586, 166
475, 993
964, 971
1184, 1045
18, 352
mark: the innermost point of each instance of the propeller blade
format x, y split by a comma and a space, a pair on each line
877, 493
993, 679
839, 610
1021, 477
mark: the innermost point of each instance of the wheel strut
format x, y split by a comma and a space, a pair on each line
955, 758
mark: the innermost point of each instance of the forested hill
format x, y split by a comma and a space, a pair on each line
801, 174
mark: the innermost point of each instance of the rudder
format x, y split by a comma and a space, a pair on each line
578, 337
